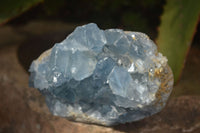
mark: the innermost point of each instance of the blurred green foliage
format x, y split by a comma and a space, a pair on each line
13, 8
178, 25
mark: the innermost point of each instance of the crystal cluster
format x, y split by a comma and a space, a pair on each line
104, 77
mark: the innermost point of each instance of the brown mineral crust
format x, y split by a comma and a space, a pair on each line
166, 77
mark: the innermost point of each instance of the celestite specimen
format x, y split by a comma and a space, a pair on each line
104, 77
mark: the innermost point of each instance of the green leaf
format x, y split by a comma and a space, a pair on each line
13, 8
178, 26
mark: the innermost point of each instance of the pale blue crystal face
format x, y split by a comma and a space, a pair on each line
105, 77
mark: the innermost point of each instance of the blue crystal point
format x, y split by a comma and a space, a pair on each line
104, 77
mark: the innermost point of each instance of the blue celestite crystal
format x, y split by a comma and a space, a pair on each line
103, 76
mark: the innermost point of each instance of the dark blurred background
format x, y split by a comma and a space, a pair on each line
143, 16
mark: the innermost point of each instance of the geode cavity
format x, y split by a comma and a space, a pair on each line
103, 76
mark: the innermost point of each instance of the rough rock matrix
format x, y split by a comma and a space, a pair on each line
104, 77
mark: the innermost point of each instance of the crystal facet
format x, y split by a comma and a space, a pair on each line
104, 77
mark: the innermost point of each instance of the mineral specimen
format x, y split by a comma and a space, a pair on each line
104, 77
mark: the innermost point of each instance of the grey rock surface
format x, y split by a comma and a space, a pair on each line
104, 77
